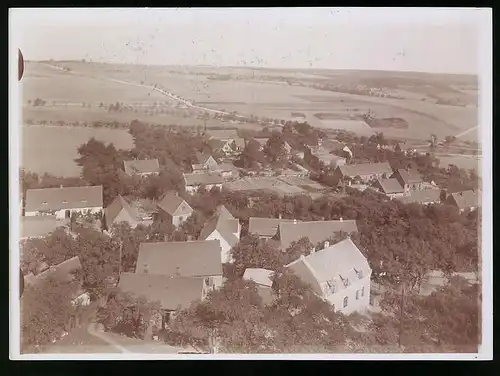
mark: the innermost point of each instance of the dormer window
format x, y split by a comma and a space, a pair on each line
359, 272
345, 281
331, 286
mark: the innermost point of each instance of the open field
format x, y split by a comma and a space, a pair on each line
53, 149
464, 161
273, 93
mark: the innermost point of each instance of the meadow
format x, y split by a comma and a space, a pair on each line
52, 149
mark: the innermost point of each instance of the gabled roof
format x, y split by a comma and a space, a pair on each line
63, 198
466, 199
223, 134
172, 292
203, 178
225, 167
202, 158
224, 223
262, 141
267, 227
216, 144
424, 196
185, 259
38, 226
118, 205
409, 177
338, 262
141, 166
62, 271
366, 169
239, 142
390, 186
259, 276
316, 231
171, 203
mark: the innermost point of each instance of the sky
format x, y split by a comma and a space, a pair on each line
402, 39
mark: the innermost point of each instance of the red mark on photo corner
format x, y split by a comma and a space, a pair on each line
20, 66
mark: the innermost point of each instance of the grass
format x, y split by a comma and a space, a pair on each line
53, 149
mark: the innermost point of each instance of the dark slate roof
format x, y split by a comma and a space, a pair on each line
267, 227
425, 196
38, 226
410, 177
202, 158
216, 144
316, 231
185, 259
171, 202
63, 198
172, 292
366, 169
62, 271
118, 205
390, 186
138, 166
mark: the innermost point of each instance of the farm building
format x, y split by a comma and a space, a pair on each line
225, 228
205, 162
365, 172
64, 201
228, 171
315, 231
194, 259
121, 211
389, 187
208, 180
465, 200
173, 210
339, 274
423, 197
262, 278
265, 228
409, 179
141, 167
39, 226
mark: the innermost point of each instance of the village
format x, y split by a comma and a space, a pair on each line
280, 214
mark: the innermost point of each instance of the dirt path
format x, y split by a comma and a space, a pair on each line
92, 329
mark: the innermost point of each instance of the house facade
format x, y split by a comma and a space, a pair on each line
224, 228
339, 274
173, 210
193, 181
389, 187
64, 201
410, 180
121, 211
365, 172
205, 162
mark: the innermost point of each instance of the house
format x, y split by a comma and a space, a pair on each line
208, 180
225, 147
465, 200
142, 167
262, 278
423, 197
365, 172
262, 142
121, 211
265, 228
225, 228
223, 134
63, 272
173, 209
315, 231
331, 160
194, 259
228, 170
39, 226
172, 293
205, 162
239, 144
64, 201
339, 274
409, 179
389, 187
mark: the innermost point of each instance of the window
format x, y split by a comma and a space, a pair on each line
357, 294
363, 291
345, 302
331, 286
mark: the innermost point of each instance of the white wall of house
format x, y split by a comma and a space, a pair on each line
178, 219
224, 246
353, 305
194, 188
61, 214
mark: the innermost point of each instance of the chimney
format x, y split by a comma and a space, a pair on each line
165, 238
61, 186
279, 216
327, 244
294, 221
341, 219
302, 257
313, 249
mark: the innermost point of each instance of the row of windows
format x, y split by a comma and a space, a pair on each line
346, 300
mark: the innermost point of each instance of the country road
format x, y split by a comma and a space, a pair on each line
93, 331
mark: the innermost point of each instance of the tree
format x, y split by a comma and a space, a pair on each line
303, 246
275, 149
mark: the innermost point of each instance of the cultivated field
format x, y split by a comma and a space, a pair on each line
53, 149
274, 93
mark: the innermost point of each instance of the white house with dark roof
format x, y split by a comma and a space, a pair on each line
142, 167
173, 209
315, 231
193, 259
389, 187
365, 172
224, 228
63, 201
121, 211
209, 180
339, 274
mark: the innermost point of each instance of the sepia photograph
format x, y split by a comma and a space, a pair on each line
250, 183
